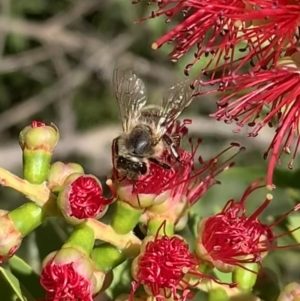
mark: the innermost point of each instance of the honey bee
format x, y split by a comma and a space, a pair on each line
145, 126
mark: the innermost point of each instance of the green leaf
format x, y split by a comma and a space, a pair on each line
11, 288
26, 275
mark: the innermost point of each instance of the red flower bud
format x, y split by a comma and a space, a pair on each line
58, 173
81, 197
68, 275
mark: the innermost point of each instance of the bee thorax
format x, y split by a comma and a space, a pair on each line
139, 142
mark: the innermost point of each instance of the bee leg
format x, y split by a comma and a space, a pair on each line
134, 186
161, 164
172, 146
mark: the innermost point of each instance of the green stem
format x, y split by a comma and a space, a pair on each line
82, 238
246, 279
125, 217
36, 165
107, 257
161, 227
27, 217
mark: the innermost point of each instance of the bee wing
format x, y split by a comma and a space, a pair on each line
176, 99
130, 93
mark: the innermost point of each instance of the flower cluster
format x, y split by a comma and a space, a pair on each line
157, 203
259, 36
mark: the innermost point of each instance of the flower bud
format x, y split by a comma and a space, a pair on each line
15, 225
290, 292
10, 237
106, 257
68, 274
58, 173
37, 142
81, 197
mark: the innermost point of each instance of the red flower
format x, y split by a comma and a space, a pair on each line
68, 275
273, 31
275, 90
82, 197
190, 182
206, 25
231, 237
166, 268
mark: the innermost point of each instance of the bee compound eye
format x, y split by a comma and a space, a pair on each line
143, 168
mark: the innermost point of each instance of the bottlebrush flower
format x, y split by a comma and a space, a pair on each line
232, 237
191, 180
272, 97
81, 197
231, 33
274, 31
68, 275
166, 268
206, 25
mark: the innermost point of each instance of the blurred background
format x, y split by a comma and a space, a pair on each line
56, 63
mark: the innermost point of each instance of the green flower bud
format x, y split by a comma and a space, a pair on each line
37, 142
106, 257
58, 173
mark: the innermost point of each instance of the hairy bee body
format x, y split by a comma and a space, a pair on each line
144, 136
140, 145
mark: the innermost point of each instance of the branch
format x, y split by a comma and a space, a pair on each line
62, 87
